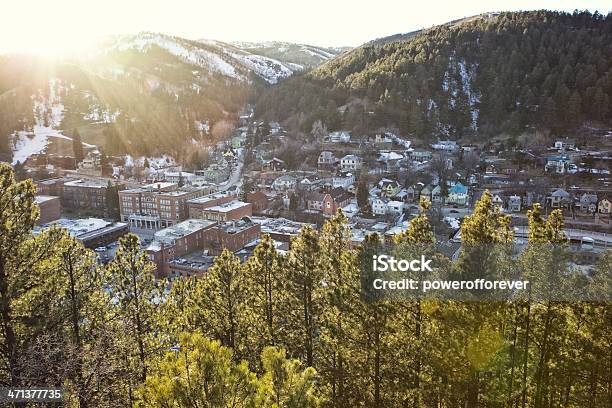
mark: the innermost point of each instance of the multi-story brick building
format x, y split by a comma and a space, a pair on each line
232, 235
86, 194
234, 210
197, 205
176, 241
259, 200
155, 206
51, 187
50, 208
172, 245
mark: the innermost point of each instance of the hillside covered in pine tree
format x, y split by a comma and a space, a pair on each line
480, 76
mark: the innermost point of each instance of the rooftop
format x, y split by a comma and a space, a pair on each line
207, 198
43, 198
88, 183
81, 228
233, 227
279, 225
180, 230
226, 207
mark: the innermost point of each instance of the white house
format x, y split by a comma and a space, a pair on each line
176, 176
339, 137
395, 207
514, 203
498, 201
379, 205
446, 145
557, 164
390, 159
343, 180
350, 162
565, 144
284, 183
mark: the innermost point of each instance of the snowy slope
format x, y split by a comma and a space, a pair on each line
182, 49
267, 68
48, 113
302, 55
272, 61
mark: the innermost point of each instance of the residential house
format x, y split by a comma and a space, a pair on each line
381, 138
588, 203
284, 183
420, 155
388, 187
177, 177
514, 203
413, 192
379, 205
310, 183
436, 195
314, 200
339, 137
458, 195
565, 144
426, 192
273, 165
344, 180
559, 199
557, 164
390, 159
395, 207
446, 145
328, 202
326, 160
605, 205
498, 200
350, 162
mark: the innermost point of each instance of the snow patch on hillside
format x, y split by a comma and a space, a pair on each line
269, 69
48, 115
460, 77
188, 53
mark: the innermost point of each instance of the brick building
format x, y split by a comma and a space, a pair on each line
234, 210
259, 200
197, 205
155, 206
86, 194
176, 241
50, 208
173, 246
51, 187
232, 235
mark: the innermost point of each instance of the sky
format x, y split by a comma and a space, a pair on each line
49, 26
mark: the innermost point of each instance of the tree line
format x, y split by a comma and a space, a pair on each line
507, 73
290, 330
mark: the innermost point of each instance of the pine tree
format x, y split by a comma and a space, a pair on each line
201, 372
17, 257
285, 384
267, 297
77, 146
362, 194
220, 300
303, 271
134, 292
